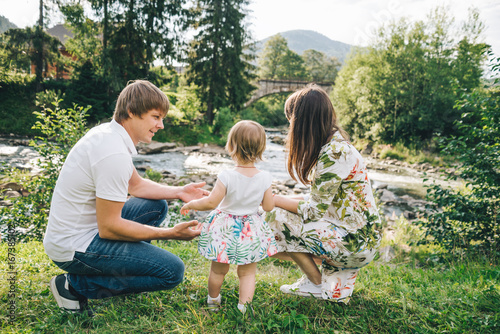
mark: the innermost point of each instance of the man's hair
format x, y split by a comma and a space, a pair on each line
246, 141
312, 123
139, 97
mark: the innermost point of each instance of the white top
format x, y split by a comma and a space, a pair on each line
243, 194
99, 165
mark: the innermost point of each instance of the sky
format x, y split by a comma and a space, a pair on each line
348, 21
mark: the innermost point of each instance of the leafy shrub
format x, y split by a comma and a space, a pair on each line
268, 111
153, 175
223, 122
469, 216
61, 129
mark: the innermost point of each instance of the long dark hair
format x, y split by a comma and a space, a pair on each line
312, 123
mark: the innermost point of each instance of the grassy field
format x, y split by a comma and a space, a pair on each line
416, 292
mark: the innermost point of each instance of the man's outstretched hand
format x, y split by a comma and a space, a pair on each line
186, 230
193, 191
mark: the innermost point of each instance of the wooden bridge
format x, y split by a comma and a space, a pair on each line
269, 87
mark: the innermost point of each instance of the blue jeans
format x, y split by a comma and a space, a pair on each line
111, 268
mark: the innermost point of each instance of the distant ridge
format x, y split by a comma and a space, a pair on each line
301, 40
5, 24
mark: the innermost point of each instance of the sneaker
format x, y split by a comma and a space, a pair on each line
303, 287
67, 300
213, 303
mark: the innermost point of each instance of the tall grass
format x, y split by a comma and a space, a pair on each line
419, 291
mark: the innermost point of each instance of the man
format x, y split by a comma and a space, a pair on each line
95, 233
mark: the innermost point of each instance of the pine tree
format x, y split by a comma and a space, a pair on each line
218, 64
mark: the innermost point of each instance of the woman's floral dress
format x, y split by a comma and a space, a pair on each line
336, 222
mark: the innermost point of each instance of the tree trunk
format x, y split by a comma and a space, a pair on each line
38, 44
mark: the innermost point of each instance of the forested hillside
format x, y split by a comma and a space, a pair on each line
5, 24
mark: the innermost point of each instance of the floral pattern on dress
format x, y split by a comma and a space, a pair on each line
337, 222
234, 239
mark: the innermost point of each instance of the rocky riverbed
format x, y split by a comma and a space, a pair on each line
14, 151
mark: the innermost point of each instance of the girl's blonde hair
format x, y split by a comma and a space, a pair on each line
246, 141
312, 124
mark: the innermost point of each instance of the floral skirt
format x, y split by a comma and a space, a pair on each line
233, 239
342, 253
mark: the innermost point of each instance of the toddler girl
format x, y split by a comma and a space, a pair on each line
235, 233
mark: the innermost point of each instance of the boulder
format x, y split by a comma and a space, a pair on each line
155, 147
367, 150
387, 197
11, 186
11, 194
277, 140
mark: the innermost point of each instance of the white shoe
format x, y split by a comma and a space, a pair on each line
303, 287
213, 303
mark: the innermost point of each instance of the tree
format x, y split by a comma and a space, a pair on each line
411, 76
277, 61
467, 218
22, 49
137, 33
218, 64
320, 67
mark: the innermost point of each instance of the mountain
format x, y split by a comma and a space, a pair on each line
301, 40
5, 24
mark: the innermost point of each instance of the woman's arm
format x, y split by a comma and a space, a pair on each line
288, 203
207, 203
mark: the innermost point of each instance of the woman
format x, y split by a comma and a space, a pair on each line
336, 222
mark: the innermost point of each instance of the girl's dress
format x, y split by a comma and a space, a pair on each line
336, 222
235, 232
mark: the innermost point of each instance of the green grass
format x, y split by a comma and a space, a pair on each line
417, 292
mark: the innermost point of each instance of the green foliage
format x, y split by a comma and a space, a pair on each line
403, 87
153, 175
320, 67
88, 88
277, 61
188, 103
23, 47
267, 111
218, 63
17, 96
61, 129
468, 219
164, 78
434, 295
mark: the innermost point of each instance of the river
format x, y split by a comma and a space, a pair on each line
400, 181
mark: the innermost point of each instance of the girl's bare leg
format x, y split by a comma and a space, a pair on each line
216, 277
246, 274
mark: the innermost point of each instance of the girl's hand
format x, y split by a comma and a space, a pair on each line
185, 209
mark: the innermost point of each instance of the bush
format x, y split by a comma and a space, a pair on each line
17, 96
153, 175
468, 219
61, 129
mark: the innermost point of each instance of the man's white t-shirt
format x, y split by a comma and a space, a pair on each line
99, 165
